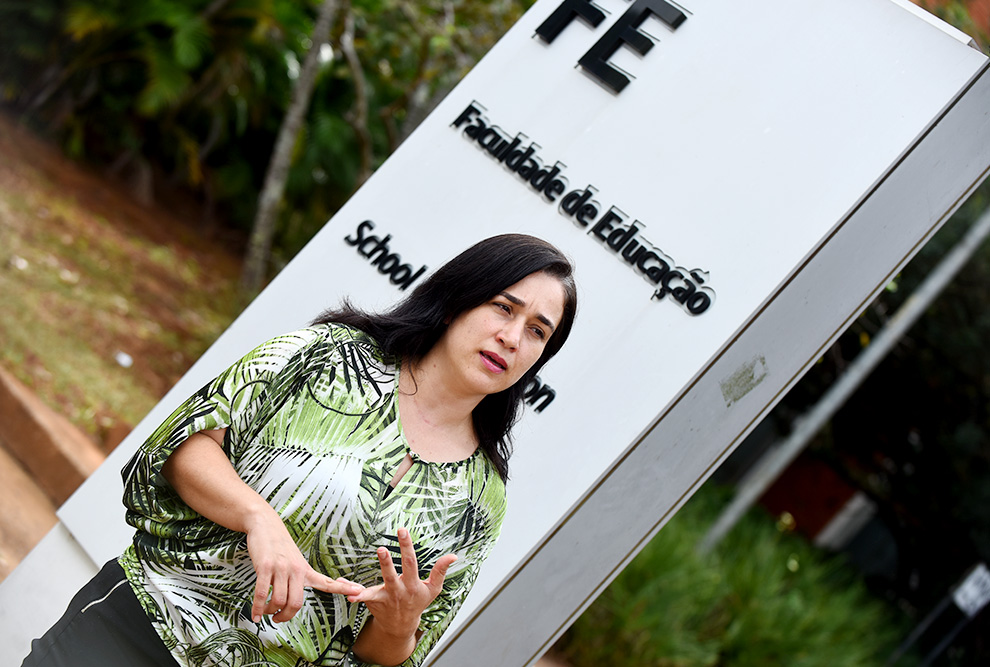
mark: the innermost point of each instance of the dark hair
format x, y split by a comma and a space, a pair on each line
415, 324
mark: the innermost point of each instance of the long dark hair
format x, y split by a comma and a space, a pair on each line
411, 328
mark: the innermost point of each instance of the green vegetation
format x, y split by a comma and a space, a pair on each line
763, 597
193, 92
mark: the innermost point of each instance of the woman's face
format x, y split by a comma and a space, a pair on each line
489, 347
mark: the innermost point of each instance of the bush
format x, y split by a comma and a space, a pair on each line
763, 597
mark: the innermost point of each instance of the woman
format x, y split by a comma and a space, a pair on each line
329, 498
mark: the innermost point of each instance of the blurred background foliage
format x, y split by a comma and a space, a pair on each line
916, 435
188, 95
764, 596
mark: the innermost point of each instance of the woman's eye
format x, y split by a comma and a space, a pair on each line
539, 333
502, 306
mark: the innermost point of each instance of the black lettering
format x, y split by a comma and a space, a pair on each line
670, 275
626, 31
543, 177
397, 277
497, 150
553, 189
526, 169
413, 278
387, 263
618, 239
653, 273
632, 252
359, 232
532, 387
573, 200
490, 135
587, 213
683, 293
546, 393
563, 15
517, 156
376, 250
508, 149
466, 115
535, 390
604, 226
475, 130
698, 303
641, 263
381, 246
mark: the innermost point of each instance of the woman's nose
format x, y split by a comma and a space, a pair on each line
509, 335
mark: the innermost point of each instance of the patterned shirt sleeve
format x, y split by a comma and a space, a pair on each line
227, 401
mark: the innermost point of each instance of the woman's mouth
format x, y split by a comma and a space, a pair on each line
493, 362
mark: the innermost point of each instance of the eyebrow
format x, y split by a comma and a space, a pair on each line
519, 302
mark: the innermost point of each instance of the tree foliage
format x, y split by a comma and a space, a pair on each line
191, 93
762, 597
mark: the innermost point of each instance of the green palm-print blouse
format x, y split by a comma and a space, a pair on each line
313, 426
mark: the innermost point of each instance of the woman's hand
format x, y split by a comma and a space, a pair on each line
397, 604
205, 479
283, 572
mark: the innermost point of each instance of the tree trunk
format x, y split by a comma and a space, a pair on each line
358, 115
263, 229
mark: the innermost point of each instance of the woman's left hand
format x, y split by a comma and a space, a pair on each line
398, 603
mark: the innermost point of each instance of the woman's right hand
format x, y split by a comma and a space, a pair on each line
204, 478
282, 570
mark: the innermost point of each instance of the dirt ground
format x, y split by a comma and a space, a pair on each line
106, 302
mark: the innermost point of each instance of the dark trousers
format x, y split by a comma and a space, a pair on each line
104, 626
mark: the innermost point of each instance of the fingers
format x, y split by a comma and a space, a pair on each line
439, 572
389, 575
276, 592
261, 587
368, 594
410, 565
280, 592
283, 602
293, 601
339, 585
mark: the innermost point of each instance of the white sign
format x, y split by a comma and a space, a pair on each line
734, 181
973, 593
